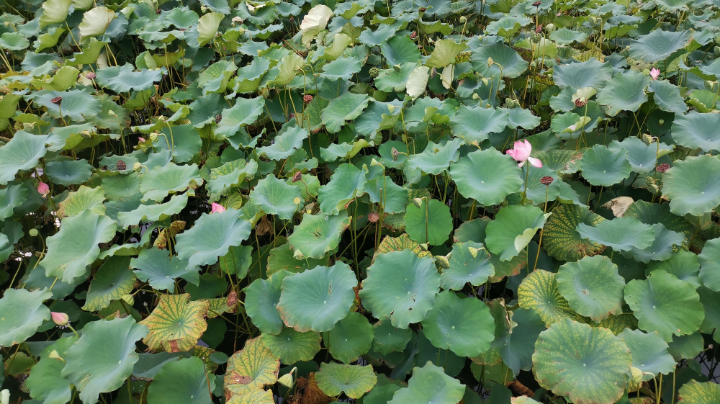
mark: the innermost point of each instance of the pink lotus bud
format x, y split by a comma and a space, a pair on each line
521, 152
43, 188
217, 208
654, 73
59, 318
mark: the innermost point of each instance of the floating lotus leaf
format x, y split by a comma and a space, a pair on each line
621, 234
176, 324
23, 312
696, 130
344, 108
487, 176
122, 79
253, 367
649, 353
353, 380
475, 124
590, 73
292, 346
658, 45
602, 166
691, 185
430, 384
592, 287
430, 223
470, 263
625, 92
112, 281
346, 183
710, 264
513, 228
68, 172
21, 153
539, 292
45, 382
318, 234
160, 269
350, 338
185, 379
211, 237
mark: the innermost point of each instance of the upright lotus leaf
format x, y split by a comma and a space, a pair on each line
520, 343
625, 92
54, 12
176, 324
184, 380
691, 185
344, 108
584, 363
475, 124
353, 380
68, 172
77, 105
257, 396
84, 198
318, 234
76, 245
393, 197
282, 259
710, 264
207, 27
122, 79
45, 382
683, 264
253, 367
96, 21
400, 49
292, 346
665, 304
13, 41
417, 81
103, 357
243, 113
154, 212
696, 130
503, 325
667, 97
469, 263
111, 282
237, 261
435, 158
592, 287
522, 118
649, 353
342, 68
22, 313
662, 247
261, 299
275, 197
215, 78
430, 384
504, 58
694, 392
429, 223
350, 338
652, 213
285, 144
642, 157
590, 73
621, 233
288, 68
21, 153
513, 228
160, 181
564, 36
211, 237
465, 326
539, 292
315, 21
486, 176
160, 269
445, 51
318, 298
602, 166
229, 175
10, 198
402, 286
346, 183
395, 78
658, 45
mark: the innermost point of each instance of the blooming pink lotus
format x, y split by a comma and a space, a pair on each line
654, 73
43, 188
521, 152
217, 208
59, 318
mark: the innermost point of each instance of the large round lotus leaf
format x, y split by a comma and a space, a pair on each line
152, 212
649, 353
565, 36
710, 264
475, 124
590, 73
211, 237
692, 185
592, 287
113, 280
184, 142
400, 49
539, 292
642, 157
318, 298
346, 183
158, 268
487, 176
185, 380
389, 339
83, 199
520, 343
436, 157
465, 326
469, 263
665, 304
667, 97
395, 78
602, 166
696, 130
507, 25
75, 246
68, 172
522, 118
160, 181
229, 175
10, 198
275, 197
621, 234
292, 346
561, 239
21, 153
430, 384
103, 357
285, 143
318, 234
77, 105
122, 79
261, 299
658, 45
402, 286
513, 228
512, 64
175, 324
45, 382
430, 223
243, 113
253, 367
694, 392
342, 68
586, 364
13, 41
625, 92
353, 380
344, 108
22, 313
351, 337
683, 264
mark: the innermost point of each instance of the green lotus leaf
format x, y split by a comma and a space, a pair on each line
590, 73
469, 263
592, 287
652, 213
281, 259
465, 326
68, 172
375, 37
665, 304
262, 297
400, 49
696, 130
667, 96
151, 213
343, 108
658, 45
444, 53
243, 113
662, 248
602, 166
683, 264
255, 396
388, 339
160, 269
621, 234
475, 124
378, 117
353, 380
586, 364
103, 357
75, 246
346, 183
176, 324
275, 197
694, 392
288, 67
54, 12
207, 27
343, 150
513, 65
539, 292
211, 237
292, 346
350, 338
649, 353
565, 36
237, 261
253, 367
342, 68
394, 198
45, 382
508, 25
436, 157
501, 318
430, 384
184, 142
249, 77
215, 78
170, 178
518, 350
318, 234
122, 79
522, 118
83, 199
625, 92
513, 228
13, 41
10, 198
285, 144
430, 223
21, 153
228, 175
672, 5
318, 298
691, 185
710, 264
486, 176
111, 282
185, 379
402, 286
23, 312
642, 157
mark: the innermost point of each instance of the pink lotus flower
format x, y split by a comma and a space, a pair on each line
59, 318
43, 188
217, 208
141, 139
521, 151
654, 73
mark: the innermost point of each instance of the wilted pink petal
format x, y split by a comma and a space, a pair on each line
217, 208
654, 73
59, 318
43, 188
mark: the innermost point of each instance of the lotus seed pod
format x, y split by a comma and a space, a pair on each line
463, 19
374, 72
33, 232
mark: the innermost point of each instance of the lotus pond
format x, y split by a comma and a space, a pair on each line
401, 202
